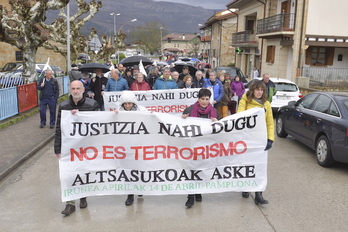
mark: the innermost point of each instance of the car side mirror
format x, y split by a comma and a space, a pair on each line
292, 103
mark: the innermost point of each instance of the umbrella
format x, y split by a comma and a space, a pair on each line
192, 70
91, 67
134, 60
195, 59
162, 63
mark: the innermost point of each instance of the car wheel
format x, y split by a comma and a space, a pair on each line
323, 152
280, 127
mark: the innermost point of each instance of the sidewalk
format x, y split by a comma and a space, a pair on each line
20, 141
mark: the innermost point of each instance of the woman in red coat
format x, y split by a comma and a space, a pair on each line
140, 83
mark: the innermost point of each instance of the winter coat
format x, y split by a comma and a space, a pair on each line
217, 88
244, 104
227, 94
138, 86
116, 85
237, 88
161, 83
85, 104
96, 87
270, 90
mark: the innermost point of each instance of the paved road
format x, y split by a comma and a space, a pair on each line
303, 197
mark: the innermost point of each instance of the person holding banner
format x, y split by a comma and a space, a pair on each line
201, 109
128, 102
257, 97
77, 102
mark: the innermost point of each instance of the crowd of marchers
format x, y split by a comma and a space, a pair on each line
87, 89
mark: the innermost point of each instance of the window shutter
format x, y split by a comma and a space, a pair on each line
330, 56
308, 55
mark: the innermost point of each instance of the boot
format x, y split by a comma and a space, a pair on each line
69, 209
245, 194
83, 203
129, 200
198, 197
190, 201
259, 199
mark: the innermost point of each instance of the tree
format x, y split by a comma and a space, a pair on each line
58, 29
148, 37
23, 26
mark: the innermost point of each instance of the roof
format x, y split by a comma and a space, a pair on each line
219, 16
180, 37
238, 3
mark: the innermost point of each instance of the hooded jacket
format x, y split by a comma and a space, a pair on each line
129, 96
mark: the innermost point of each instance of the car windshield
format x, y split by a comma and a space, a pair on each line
287, 87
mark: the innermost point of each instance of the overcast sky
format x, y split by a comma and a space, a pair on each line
207, 4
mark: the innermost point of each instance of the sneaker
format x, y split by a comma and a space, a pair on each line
42, 126
51, 126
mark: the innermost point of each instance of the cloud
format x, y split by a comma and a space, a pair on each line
207, 4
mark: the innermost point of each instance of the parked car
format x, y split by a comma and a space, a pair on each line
286, 91
10, 66
58, 72
232, 71
320, 121
14, 77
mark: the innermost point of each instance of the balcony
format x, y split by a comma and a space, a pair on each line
244, 39
281, 25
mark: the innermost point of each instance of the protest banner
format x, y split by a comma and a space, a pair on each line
172, 101
144, 153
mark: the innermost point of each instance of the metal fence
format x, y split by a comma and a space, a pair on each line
19, 98
8, 102
329, 77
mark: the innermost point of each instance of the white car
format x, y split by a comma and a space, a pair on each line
286, 91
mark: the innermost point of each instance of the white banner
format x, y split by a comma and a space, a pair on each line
146, 153
162, 101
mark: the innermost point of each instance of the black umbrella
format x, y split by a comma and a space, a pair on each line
134, 60
192, 70
91, 67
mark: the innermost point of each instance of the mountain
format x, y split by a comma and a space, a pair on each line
175, 17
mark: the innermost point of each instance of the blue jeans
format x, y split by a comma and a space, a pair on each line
52, 105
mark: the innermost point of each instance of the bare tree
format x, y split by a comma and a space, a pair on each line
148, 37
23, 27
58, 29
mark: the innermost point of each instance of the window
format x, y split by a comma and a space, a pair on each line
19, 56
307, 101
320, 56
270, 54
322, 104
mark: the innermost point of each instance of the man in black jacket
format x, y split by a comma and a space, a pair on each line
77, 102
49, 93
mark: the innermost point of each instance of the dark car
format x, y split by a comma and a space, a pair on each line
232, 71
320, 121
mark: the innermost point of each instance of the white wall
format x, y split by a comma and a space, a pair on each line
327, 17
344, 62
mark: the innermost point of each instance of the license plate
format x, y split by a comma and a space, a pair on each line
283, 98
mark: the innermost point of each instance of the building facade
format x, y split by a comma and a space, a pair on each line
216, 47
292, 39
181, 44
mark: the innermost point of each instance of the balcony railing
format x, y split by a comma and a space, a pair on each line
328, 77
243, 37
276, 23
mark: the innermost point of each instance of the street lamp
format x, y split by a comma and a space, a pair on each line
161, 40
114, 14
133, 20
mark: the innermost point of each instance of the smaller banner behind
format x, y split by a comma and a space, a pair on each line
172, 101
146, 153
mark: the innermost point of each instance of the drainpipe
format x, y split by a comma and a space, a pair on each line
235, 55
264, 16
300, 48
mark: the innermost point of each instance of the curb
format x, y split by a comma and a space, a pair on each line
25, 157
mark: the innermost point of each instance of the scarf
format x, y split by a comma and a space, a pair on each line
197, 110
